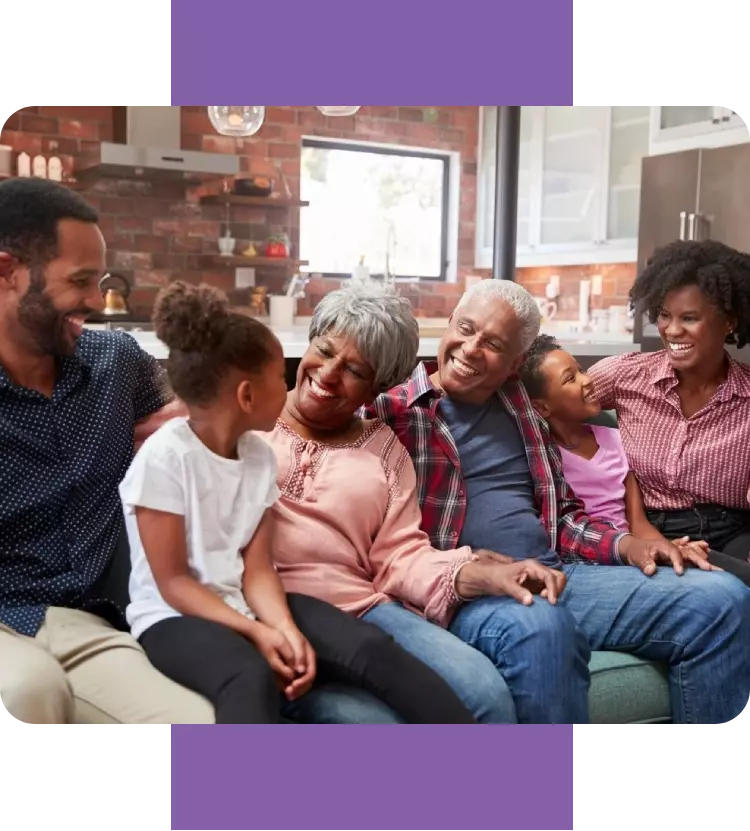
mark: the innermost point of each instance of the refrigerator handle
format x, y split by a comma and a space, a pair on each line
691, 227
699, 227
683, 219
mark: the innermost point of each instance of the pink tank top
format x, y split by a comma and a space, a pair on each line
600, 482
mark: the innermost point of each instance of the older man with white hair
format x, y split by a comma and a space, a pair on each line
489, 477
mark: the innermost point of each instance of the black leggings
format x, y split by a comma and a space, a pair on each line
228, 670
727, 532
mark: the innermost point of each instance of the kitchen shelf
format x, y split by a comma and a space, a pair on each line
261, 201
259, 262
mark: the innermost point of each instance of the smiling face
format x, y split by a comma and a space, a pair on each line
49, 304
333, 382
568, 392
692, 329
480, 350
262, 395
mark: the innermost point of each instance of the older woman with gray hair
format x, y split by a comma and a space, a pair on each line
347, 525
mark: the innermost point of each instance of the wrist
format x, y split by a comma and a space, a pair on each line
252, 629
468, 582
624, 545
284, 624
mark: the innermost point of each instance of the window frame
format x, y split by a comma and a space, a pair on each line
410, 152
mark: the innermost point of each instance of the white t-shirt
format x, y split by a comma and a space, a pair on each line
222, 500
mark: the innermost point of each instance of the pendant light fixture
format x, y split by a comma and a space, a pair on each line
338, 110
237, 122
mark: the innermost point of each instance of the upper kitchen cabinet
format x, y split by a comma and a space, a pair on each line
723, 209
693, 195
688, 128
579, 184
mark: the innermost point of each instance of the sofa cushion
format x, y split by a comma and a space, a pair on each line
627, 690
606, 418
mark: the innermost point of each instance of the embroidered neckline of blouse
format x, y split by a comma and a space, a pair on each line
367, 433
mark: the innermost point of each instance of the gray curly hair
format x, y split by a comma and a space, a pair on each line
379, 321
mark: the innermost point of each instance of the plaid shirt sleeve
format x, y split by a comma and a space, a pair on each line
390, 408
385, 406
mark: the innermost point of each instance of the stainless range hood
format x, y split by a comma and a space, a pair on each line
146, 145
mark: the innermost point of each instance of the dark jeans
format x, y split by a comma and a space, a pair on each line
727, 531
228, 670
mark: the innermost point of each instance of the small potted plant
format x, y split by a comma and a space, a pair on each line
277, 245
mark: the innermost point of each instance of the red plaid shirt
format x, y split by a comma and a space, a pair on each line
411, 410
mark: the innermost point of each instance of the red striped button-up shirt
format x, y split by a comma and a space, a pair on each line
679, 462
411, 410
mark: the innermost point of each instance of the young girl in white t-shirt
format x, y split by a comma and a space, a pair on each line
206, 603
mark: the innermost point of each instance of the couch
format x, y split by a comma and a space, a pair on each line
624, 689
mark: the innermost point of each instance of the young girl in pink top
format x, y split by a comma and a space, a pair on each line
593, 457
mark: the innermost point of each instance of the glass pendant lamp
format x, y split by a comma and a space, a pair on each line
338, 110
237, 121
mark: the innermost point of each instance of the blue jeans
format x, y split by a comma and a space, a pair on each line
534, 670
539, 651
340, 704
699, 624
472, 677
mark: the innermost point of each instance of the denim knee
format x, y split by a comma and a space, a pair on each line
555, 631
541, 626
723, 595
484, 691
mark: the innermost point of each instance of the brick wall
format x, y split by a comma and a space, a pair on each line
617, 279
158, 231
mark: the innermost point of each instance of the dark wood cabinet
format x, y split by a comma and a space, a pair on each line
669, 193
724, 196
696, 194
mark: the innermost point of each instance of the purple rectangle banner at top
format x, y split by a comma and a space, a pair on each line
372, 777
374, 52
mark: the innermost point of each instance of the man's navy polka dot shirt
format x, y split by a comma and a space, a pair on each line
61, 461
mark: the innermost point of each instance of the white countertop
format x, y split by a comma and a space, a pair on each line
294, 343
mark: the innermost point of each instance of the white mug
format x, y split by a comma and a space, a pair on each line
547, 308
281, 311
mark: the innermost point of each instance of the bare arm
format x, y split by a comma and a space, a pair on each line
636, 512
265, 595
261, 584
163, 538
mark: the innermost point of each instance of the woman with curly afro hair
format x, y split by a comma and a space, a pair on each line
684, 411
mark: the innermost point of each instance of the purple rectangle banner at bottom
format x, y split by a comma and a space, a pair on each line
372, 777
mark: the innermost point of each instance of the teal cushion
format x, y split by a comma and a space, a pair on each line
606, 418
627, 690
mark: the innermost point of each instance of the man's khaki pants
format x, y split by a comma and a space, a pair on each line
80, 669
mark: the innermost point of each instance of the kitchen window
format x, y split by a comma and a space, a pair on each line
387, 205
